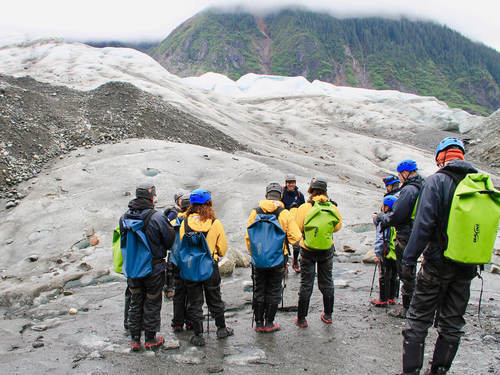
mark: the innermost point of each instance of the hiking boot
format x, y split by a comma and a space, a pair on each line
125, 326
197, 340
135, 344
154, 342
296, 265
271, 327
302, 323
224, 332
259, 326
438, 371
401, 313
326, 318
392, 301
189, 327
176, 328
378, 303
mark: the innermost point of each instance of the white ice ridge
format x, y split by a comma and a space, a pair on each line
83, 67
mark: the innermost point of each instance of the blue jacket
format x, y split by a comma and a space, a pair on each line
431, 220
159, 231
292, 198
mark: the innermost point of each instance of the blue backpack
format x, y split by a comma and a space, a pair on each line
173, 251
266, 239
137, 257
193, 256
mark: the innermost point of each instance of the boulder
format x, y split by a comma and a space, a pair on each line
240, 259
93, 241
369, 257
495, 269
348, 249
226, 267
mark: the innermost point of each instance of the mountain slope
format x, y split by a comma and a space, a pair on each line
416, 57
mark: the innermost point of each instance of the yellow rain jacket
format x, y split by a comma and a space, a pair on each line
303, 210
285, 219
216, 238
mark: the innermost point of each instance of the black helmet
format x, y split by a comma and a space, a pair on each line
318, 183
179, 194
290, 177
186, 201
145, 190
274, 186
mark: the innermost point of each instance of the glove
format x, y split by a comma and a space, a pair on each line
408, 271
376, 218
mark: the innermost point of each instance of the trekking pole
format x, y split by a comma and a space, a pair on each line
480, 295
285, 274
373, 279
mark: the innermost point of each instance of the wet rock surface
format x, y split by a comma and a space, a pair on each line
362, 339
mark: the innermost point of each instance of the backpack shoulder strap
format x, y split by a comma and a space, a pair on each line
276, 213
457, 177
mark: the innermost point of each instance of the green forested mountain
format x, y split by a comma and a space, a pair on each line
410, 56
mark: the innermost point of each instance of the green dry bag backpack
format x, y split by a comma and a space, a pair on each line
117, 251
473, 221
318, 226
392, 245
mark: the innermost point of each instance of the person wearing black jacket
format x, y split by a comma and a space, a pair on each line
401, 218
146, 292
442, 285
291, 198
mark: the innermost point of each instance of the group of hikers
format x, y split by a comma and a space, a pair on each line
176, 252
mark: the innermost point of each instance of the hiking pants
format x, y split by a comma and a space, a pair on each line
211, 289
309, 259
442, 287
268, 284
408, 283
180, 299
169, 278
388, 279
127, 307
145, 303
296, 251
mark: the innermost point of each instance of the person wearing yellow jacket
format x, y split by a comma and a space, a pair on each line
310, 258
200, 217
268, 280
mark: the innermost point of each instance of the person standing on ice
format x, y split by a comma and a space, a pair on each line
392, 185
145, 265
456, 225
386, 259
401, 217
200, 217
293, 198
317, 219
270, 228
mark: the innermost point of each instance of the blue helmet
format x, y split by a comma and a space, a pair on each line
448, 142
200, 196
389, 200
407, 165
391, 180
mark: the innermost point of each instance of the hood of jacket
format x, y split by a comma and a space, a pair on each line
460, 166
196, 224
270, 205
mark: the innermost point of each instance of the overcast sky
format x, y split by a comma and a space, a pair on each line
155, 19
